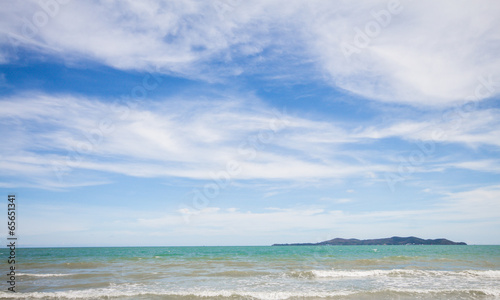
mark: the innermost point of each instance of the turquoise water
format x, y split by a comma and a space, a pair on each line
292, 272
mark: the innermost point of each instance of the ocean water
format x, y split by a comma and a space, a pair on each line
291, 272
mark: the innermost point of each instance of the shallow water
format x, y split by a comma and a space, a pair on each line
291, 272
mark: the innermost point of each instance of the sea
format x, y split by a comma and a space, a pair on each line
267, 272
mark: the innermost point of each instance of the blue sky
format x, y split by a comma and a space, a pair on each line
250, 122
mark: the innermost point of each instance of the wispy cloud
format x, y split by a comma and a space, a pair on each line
50, 136
53, 135
410, 53
478, 206
476, 210
485, 165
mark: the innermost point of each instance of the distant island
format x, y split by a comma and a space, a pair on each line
395, 240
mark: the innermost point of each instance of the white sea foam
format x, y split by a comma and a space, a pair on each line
339, 273
403, 272
130, 290
490, 273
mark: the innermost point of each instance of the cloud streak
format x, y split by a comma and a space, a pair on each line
164, 139
51, 136
423, 53
476, 209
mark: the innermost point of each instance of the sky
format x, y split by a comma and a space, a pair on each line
231, 122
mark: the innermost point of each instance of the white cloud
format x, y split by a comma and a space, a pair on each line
343, 200
472, 127
479, 206
422, 56
51, 137
428, 53
336, 200
477, 210
486, 165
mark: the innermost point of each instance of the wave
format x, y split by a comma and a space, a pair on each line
144, 292
235, 273
106, 293
392, 273
388, 260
